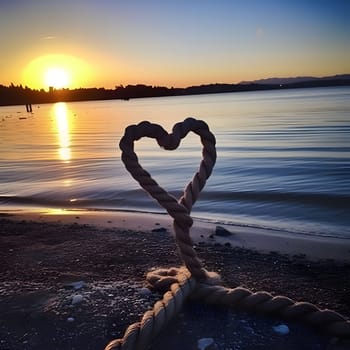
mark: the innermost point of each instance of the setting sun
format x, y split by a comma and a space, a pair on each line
57, 78
57, 71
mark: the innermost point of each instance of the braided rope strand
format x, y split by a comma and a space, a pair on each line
180, 209
193, 280
139, 335
263, 302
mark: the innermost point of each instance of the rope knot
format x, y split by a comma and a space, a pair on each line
162, 279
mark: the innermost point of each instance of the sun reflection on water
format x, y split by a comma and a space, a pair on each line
63, 131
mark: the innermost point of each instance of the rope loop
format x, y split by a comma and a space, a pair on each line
180, 209
193, 280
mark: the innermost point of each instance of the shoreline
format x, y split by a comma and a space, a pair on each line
262, 240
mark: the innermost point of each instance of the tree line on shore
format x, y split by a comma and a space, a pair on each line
17, 94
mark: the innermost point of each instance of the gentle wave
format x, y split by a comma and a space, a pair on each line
269, 210
313, 199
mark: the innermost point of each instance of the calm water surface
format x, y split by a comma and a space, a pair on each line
283, 157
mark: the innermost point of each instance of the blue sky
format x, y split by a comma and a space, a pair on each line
177, 43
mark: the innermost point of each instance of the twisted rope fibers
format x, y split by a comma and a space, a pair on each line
192, 280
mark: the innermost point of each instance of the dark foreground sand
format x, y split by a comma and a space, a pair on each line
41, 306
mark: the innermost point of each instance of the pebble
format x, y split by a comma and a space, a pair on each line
160, 229
222, 232
145, 291
281, 329
205, 343
70, 319
77, 299
75, 285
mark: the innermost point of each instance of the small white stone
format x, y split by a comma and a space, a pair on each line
78, 284
75, 285
77, 299
282, 329
204, 343
70, 319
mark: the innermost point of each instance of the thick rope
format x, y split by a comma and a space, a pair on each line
178, 209
193, 280
139, 335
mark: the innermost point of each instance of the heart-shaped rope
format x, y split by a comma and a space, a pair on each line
180, 209
193, 280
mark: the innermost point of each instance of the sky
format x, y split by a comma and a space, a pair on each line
180, 43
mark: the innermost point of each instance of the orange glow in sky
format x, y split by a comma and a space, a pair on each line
170, 43
58, 71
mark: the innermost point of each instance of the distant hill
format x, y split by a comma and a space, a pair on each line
297, 80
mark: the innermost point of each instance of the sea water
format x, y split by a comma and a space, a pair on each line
283, 157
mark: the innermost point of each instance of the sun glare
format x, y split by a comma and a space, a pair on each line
63, 130
57, 78
57, 71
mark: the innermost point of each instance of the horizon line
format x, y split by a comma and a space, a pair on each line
242, 82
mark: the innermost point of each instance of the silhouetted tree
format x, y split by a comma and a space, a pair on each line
16, 95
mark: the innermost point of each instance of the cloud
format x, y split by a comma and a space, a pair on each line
48, 37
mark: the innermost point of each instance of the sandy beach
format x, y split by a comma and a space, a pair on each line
262, 240
76, 280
